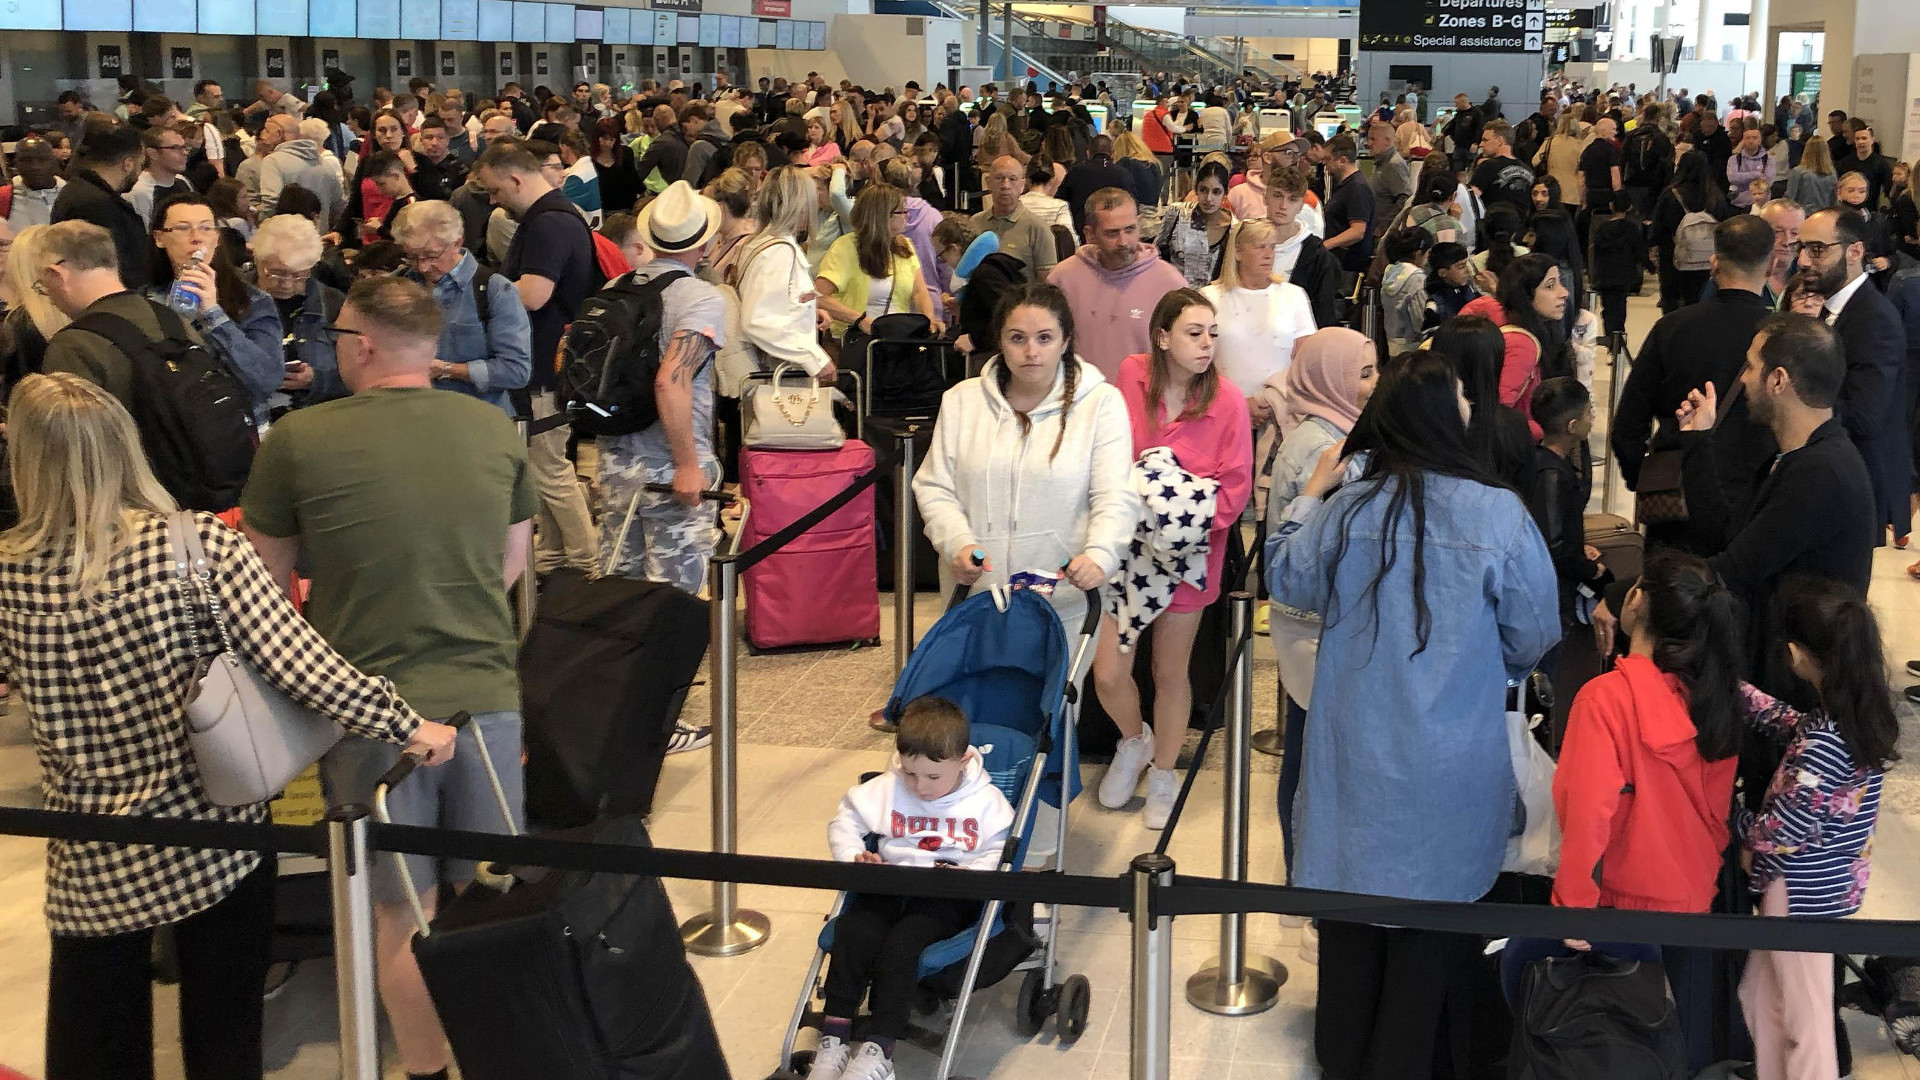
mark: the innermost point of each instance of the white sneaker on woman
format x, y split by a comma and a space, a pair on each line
1130, 759
830, 1060
1163, 786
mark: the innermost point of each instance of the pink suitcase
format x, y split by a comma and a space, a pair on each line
822, 588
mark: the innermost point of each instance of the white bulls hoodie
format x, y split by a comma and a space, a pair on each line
966, 828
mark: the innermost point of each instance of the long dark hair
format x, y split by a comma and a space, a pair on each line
1834, 624
1410, 427
1696, 636
1201, 388
1048, 298
229, 288
1500, 229
1693, 184
1515, 294
1472, 344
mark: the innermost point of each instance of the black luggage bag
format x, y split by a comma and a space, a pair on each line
1594, 1017
884, 434
603, 675
570, 976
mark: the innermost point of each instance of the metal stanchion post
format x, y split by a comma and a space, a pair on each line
1616, 345
903, 583
1237, 984
1152, 1016
350, 873
727, 930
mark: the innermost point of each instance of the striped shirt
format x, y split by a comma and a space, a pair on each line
1815, 827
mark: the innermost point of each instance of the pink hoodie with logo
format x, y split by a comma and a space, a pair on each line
1111, 308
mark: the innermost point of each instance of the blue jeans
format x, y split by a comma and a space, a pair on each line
1522, 951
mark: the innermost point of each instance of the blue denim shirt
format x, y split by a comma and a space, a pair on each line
1406, 788
499, 356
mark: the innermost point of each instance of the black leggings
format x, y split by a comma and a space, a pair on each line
877, 941
100, 993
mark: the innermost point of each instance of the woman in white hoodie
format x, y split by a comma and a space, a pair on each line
778, 314
1030, 465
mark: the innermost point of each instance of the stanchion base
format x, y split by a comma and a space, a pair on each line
1267, 742
703, 937
1257, 990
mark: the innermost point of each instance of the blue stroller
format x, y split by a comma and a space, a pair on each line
1002, 657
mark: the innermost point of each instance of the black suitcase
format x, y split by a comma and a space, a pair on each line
883, 434
603, 675
570, 976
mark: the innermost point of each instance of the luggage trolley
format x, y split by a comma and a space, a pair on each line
1001, 654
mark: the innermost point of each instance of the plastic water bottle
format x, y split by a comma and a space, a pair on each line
182, 298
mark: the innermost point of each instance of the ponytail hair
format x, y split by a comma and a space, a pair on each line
1836, 627
1048, 298
1697, 639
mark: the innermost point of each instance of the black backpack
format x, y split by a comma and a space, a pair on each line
1594, 1017
611, 355
1641, 156
194, 416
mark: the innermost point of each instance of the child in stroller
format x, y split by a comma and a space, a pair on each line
935, 806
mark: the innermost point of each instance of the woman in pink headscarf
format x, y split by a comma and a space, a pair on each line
1332, 374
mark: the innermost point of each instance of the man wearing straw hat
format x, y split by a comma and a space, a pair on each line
672, 536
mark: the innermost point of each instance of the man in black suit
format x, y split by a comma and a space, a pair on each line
1873, 397
1700, 344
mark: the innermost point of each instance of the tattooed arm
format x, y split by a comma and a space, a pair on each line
686, 355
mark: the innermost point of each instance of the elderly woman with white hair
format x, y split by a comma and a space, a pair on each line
286, 249
320, 131
485, 345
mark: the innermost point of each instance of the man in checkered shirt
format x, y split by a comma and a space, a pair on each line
413, 507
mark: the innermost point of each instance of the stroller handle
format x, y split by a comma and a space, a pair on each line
1088, 626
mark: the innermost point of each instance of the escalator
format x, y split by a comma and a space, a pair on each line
1025, 65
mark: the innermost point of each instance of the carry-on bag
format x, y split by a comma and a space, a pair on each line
1622, 549
821, 588
1596, 1017
562, 975
887, 494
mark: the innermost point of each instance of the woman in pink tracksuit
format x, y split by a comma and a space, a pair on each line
1175, 398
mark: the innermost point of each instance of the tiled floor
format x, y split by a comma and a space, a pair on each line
803, 725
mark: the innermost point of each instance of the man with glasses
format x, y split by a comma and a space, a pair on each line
1873, 396
484, 337
413, 506
166, 153
552, 265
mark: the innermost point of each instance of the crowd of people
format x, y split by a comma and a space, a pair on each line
1173, 397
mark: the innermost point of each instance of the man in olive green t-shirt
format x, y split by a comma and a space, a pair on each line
414, 508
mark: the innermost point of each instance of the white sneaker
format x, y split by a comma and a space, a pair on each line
1130, 759
870, 1063
686, 737
830, 1061
1163, 786
1310, 944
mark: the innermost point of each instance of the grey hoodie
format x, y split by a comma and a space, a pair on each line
297, 161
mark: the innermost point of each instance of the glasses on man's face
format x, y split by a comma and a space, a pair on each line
171, 146
1815, 249
40, 279
334, 331
183, 230
556, 166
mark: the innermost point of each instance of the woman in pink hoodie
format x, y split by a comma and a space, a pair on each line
1176, 399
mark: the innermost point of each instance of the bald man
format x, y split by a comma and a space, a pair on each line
295, 160
1022, 235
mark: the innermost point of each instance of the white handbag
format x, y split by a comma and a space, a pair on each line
778, 412
1296, 644
248, 739
1533, 841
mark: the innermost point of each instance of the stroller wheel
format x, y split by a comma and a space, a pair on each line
1034, 1006
1072, 1009
800, 1063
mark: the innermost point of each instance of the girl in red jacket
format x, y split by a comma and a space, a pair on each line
1645, 781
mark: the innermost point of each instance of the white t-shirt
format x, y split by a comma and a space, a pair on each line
216, 147
1258, 328
880, 296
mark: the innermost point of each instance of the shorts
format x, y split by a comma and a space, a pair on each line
668, 541
454, 795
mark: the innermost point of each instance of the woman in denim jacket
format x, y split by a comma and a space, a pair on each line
286, 248
1435, 589
484, 355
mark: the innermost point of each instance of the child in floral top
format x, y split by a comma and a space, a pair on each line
1810, 843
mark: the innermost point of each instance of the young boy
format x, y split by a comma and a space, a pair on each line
1403, 289
1449, 282
934, 806
1564, 410
1619, 259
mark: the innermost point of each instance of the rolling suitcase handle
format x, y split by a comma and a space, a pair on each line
724, 498
404, 768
